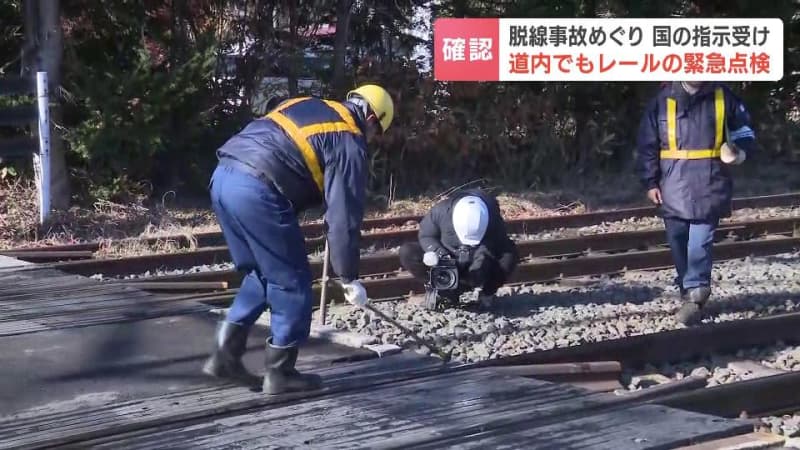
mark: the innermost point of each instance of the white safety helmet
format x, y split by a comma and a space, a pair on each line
470, 219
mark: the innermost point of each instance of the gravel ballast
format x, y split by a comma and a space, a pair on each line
540, 317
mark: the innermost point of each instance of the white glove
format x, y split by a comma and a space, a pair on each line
355, 293
430, 259
732, 155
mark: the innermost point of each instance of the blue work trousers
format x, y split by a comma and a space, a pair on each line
265, 242
691, 243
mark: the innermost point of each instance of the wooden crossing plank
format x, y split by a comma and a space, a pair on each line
639, 427
20, 327
360, 415
33, 300
439, 412
77, 303
67, 421
121, 316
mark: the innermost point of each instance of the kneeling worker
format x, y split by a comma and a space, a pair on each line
305, 151
464, 238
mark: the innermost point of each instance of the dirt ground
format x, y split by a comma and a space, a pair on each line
169, 215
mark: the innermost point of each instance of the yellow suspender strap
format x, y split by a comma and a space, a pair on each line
673, 140
301, 141
345, 115
290, 102
719, 107
674, 153
300, 135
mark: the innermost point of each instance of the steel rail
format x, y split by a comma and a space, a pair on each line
391, 287
381, 263
669, 346
49, 255
314, 240
752, 397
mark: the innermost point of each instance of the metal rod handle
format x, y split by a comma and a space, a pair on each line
323, 295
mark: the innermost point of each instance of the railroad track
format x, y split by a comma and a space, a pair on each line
375, 233
544, 260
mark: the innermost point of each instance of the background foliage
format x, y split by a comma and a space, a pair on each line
151, 88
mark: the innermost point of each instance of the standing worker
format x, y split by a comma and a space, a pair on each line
690, 133
306, 151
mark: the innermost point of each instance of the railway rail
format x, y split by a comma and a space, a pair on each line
374, 231
545, 260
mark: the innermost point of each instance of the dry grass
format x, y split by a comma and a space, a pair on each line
104, 222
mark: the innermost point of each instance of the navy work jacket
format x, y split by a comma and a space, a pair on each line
678, 149
313, 151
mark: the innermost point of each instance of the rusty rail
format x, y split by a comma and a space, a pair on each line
391, 286
381, 263
315, 242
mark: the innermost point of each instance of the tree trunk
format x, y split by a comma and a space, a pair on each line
30, 11
343, 14
52, 50
584, 93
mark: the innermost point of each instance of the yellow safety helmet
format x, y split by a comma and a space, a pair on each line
380, 102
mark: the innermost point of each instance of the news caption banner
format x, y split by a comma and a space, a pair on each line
670, 49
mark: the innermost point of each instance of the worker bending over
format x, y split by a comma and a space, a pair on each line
305, 151
465, 234
690, 133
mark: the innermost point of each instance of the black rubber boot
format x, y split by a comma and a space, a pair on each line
691, 313
700, 294
281, 376
226, 360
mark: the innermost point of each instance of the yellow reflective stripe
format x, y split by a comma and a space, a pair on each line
690, 154
324, 127
671, 107
288, 103
719, 106
345, 115
674, 153
300, 135
302, 143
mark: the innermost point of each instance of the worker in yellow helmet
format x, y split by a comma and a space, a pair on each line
307, 151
